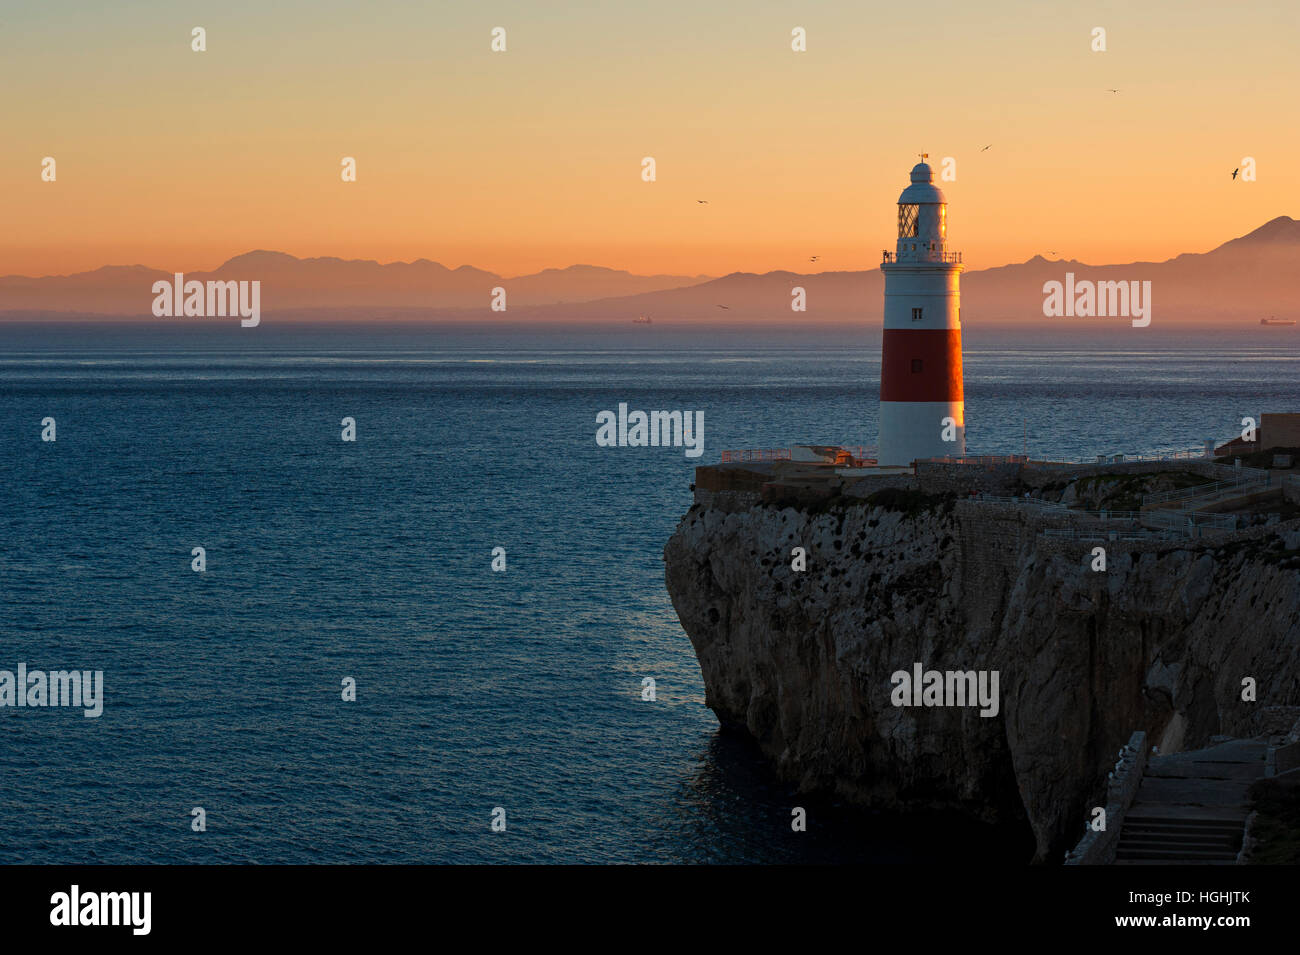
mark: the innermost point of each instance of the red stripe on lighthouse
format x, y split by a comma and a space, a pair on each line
939, 352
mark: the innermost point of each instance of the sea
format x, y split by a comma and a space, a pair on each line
511, 696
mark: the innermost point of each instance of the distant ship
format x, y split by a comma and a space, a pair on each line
1277, 321
645, 320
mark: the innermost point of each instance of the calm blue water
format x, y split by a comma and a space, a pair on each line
372, 560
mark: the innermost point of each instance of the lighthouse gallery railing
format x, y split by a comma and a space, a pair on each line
921, 256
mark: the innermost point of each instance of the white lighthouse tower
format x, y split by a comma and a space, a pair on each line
920, 364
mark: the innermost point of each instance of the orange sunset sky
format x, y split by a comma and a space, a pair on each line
531, 158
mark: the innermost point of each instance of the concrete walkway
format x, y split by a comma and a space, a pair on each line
1192, 807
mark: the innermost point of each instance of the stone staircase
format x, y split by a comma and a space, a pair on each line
1176, 840
1191, 807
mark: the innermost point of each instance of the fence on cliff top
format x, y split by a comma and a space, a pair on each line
1124, 458
844, 457
1167, 523
1058, 507
977, 459
1128, 535
755, 455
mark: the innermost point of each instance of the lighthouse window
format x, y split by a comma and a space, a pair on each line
907, 220
916, 314
916, 365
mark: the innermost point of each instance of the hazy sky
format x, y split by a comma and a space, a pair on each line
531, 158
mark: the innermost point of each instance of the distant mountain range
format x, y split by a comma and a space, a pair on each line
290, 283
1241, 281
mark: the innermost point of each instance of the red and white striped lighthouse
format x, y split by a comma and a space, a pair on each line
921, 407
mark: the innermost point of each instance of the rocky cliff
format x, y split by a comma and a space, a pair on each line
1159, 641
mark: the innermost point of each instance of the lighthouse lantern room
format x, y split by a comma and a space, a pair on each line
921, 404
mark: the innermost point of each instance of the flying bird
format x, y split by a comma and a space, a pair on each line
1112, 91
1235, 171
814, 258
725, 306
987, 148
703, 202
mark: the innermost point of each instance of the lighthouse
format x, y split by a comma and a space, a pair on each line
921, 406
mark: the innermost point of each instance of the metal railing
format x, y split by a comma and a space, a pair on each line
1194, 504
1188, 493
920, 255
1190, 497
753, 455
1184, 523
1064, 509
1190, 454
1103, 534
1192, 520
862, 452
1231, 473
977, 459
1024, 501
1124, 458
859, 456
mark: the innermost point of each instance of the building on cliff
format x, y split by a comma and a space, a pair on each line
921, 406
1275, 431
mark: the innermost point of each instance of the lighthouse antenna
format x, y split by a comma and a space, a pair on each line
924, 156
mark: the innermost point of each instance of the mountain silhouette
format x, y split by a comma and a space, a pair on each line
290, 283
1238, 282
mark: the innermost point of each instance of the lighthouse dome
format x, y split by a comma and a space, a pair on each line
922, 190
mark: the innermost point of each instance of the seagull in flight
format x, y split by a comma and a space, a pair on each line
1235, 171
1112, 91
728, 307
703, 202
814, 258
987, 148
